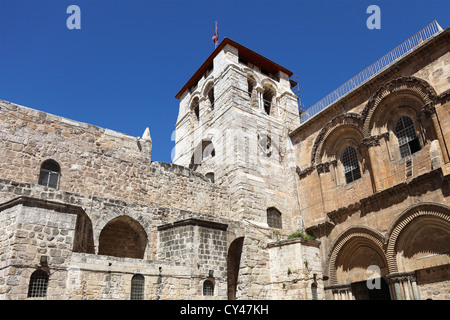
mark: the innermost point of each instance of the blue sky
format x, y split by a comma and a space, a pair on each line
122, 69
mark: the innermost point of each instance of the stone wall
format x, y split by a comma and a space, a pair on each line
99, 162
348, 215
295, 268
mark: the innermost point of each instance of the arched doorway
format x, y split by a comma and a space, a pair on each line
123, 237
358, 263
233, 263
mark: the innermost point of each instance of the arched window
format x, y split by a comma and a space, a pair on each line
208, 288
351, 165
211, 97
274, 218
137, 287
267, 99
195, 107
49, 174
38, 284
251, 83
408, 142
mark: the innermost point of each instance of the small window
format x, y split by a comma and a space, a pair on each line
208, 288
208, 149
137, 287
265, 144
274, 218
49, 174
38, 284
210, 176
351, 165
406, 135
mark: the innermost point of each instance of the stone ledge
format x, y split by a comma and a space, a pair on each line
35, 202
308, 242
194, 222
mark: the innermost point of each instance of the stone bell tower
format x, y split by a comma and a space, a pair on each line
234, 118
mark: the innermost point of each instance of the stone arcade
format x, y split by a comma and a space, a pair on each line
86, 214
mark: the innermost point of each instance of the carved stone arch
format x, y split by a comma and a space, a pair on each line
350, 120
420, 215
269, 83
208, 92
194, 105
353, 240
396, 90
206, 86
251, 73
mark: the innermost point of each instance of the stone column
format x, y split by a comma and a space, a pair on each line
429, 111
403, 285
259, 95
341, 292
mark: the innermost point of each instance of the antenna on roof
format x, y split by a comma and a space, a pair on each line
295, 86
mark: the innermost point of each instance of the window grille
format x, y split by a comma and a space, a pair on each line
408, 142
49, 174
137, 287
38, 284
208, 288
351, 165
274, 218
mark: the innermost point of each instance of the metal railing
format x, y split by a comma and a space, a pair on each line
375, 68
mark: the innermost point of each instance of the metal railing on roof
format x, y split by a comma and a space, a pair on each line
372, 70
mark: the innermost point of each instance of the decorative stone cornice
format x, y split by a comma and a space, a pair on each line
301, 173
40, 203
373, 141
400, 277
426, 112
323, 167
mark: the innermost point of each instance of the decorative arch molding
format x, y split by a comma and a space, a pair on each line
251, 73
349, 119
409, 85
432, 210
371, 237
207, 85
267, 82
195, 95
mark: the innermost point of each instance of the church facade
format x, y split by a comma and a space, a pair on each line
259, 202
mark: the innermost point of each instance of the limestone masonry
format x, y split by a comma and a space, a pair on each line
350, 204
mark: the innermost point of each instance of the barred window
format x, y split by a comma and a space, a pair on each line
137, 287
208, 288
274, 218
49, 174
351, 165
406, 135
38, 284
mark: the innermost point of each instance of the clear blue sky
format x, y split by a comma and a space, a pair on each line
122, 69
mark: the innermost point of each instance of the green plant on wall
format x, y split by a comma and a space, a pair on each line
299, 234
